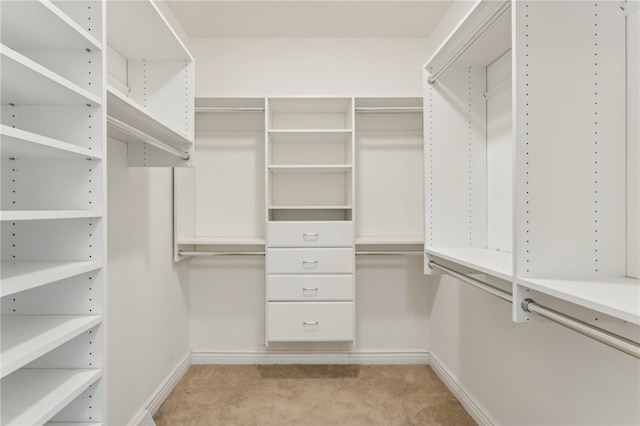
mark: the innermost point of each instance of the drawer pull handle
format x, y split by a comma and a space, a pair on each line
310, 261
310, 322
310, 236
309, 288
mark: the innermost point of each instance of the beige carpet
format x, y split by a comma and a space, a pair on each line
311, 395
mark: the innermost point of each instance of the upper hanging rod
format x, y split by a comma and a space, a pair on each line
617, 342
468, 42
228, 109
143, 137
389, 109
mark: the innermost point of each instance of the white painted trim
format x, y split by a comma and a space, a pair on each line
475, 410
310, 357
161, 393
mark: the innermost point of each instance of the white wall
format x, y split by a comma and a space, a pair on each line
526, 374
254, 67
148, 317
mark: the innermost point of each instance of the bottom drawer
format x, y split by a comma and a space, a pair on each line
310, 321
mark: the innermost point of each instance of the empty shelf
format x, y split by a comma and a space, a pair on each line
33, 396
222, 240
488, 261
27, 337
18, 143
311, 168
21, 276
16, 215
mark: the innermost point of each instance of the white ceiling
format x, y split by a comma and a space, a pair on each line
308, 18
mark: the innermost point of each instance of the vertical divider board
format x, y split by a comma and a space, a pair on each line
53, 207
572, 187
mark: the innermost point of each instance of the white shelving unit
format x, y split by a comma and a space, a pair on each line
151, 86
52, 149
551, 205
219, 203
388, 182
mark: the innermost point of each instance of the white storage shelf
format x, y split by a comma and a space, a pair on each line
16, 215
18, 143
19, 276
32, 396
315, 168
492, 262
27, 337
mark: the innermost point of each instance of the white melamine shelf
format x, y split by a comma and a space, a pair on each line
337, 207
618, 297
491, 262
391, 240
32, 396
16, 215
311, 168
21, 276
310, 131
18, 143
126, 110
73, 424
222, 240
25, 82
27, 337
35, 33
143, 33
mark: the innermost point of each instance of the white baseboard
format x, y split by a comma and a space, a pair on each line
143, 417
310, 357
470, 405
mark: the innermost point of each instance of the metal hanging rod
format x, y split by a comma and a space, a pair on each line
617, 342
389, 109
207, 110
390, 253
468, 42
220, 253
476, 283
143, 137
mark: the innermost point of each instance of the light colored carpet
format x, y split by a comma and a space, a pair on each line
311, 395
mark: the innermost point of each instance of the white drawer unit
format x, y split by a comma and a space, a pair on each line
310, 321
310, 261
310, 288
310, 234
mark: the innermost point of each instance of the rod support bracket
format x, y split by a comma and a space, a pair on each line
525, 304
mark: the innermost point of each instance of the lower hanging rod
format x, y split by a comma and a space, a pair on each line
617, 342
220, 253
613, 340
143, 137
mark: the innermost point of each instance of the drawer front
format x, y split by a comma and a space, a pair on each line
310, 261
310, 287
310, 321
310, 234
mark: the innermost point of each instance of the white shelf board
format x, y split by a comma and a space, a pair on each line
491, 262
17, 143
311, 168
143, 32
317, 105
222, 240
618, 297
15, 215
32, 396
73, 424
48, 28
336, 207
390, 240
27, 337
276, 131
20, 276
25, 82
126, 110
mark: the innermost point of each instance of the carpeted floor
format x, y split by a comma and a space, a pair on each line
311, 395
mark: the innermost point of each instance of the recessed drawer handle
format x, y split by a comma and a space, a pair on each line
310, 236
310, 261
309, 288
310, 322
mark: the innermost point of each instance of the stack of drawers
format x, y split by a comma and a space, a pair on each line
310, 291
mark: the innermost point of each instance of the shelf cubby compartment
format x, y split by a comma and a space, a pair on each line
310, 113
33, 396
389, 180
150, 84
27, 337
53, 40
468, 150
311, 147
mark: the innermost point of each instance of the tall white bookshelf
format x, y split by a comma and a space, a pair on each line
52, 212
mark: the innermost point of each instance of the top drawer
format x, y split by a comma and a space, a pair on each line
310, 234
